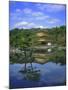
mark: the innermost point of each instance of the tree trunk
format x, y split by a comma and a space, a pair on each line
25, 58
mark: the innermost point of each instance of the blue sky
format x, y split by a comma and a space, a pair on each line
36, 15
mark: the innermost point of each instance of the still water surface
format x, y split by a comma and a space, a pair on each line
50, 74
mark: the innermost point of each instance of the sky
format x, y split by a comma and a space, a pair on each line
36, 15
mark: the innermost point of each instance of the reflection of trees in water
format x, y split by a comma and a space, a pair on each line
29, 53
27, 39
31, 73
28, 57
59, 57
30, 38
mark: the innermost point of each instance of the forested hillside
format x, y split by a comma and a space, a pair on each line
28, 37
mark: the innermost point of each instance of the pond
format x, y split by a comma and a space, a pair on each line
39, 75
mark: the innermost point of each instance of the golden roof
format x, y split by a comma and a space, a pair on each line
40, 34
41, 40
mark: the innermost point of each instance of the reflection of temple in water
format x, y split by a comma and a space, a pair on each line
43, 47
39, 55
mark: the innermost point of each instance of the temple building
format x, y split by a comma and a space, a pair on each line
43, 37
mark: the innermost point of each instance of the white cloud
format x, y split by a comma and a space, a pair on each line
24, 24
55, 8
31, 24
41, 6
42, 17
51, 7
33, 13
40, 26
27, 25
27, 10
15, 15
37, 13
21, 23
53, 21
18, 10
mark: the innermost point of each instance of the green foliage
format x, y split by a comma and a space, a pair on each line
26, 39
58, 35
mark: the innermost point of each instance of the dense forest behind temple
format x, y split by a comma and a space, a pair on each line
37, 36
